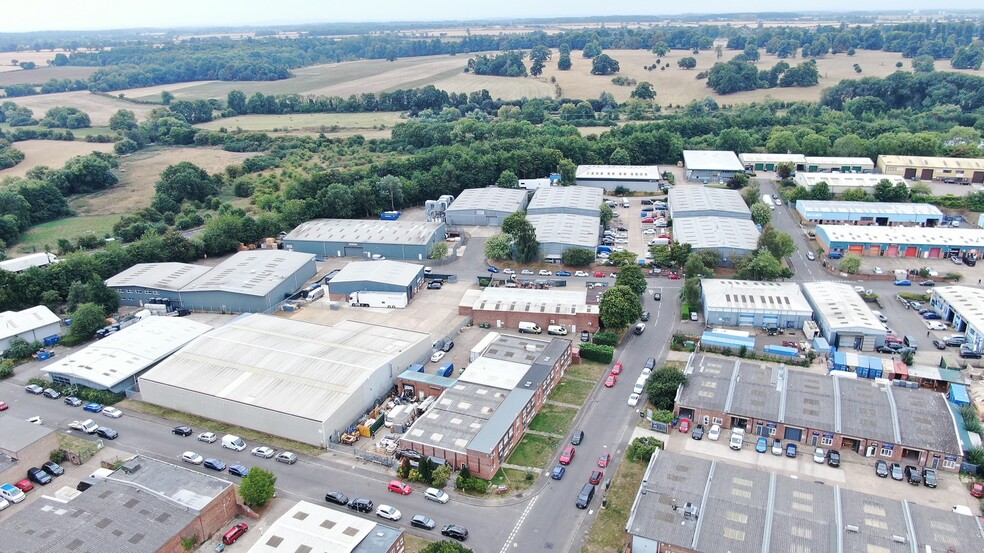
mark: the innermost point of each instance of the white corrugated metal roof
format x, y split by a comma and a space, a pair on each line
358, 231
618, 172
748, 295
254, 272
492, 198
711, 160
384, 271
162, 276
576, 197
772, 158
525, 300
842, 307
839, 161
845, 180
716, 232
854, 234
25, 262
310, 527
816, 207
13, 323
575, 230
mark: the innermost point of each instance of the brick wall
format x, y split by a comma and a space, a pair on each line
511, 320
33, 455
214, 518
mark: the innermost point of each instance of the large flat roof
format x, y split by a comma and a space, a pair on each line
711, 160
411, 233
13, 323
960, 163
125, 353
841, 161
254, 273
870, 234
188, 488
965, 300
710, 386
845, 180
282, 365
310, 527
575, 230
530, 301
457, 416
16, 433
770, 158
618, 172
492, 198
162, 276
576, 197
818, 207
842, 307
384, 271
751, 296
745, 510
684, 199
716, 232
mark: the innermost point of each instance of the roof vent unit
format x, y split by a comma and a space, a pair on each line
130, 467
851, 528
528, 384
898, 539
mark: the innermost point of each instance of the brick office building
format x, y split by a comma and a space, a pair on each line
507, 307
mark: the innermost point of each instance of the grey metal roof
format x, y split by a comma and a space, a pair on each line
516, 349
574, 230
359, 231
749, 296
502, 420
816, 208
865, 410
711, 160
856, 234
16, 433
967, 301
492, 198
190, 489
877, 520
382, 271
577, 197
687, 201
716, 232
110, 517
540, 370
13, 323
842, 308
283, 365
671, 481
125, 353
925, 421
734, 510
457, 416
940, 530
163, 276
255, 272
803, 516
757, 392
709, 385
807, 403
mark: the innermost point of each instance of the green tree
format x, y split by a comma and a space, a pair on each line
440, 476
527, 246
736, 140
821, 191
620, 157
592, 49
886, 191
694, 267
751, 52
814, 145
166, 97
850, 263
507, 179
855, 195
785, 170
619, 307
336, 201
621, 259
564, 61
446, 546
661, 48
690, 293
577, 257
511, 223
604, 65
923, 64
782, 141
631, 276
87, 318
258, 487
762, 266
738, 180
391, 188
779, 244
499, 246
644, 91
438, 251
641, 449
849, 145
761, 214
662, 385
236, 101
688, 62
607, 214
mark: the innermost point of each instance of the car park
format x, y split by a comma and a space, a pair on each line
833, 458
388, 512
73, 401
595, 477
422, 521
107, 432
558, 472
207, 437
762, 444
791, 450
714, 433
238, 470
896, 471
34, 389
92, 407
361, 505
264, 451
182, 430
53, 468
214, 464
286, 458
567, 455
912, 475
454, 531
604, 459
112, 412
51, 393
698, 433
192, 457
881, 469
929, 478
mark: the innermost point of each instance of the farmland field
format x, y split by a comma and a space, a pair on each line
47, 234
40, 58
99, 108
309, 122
53, 153
9, 75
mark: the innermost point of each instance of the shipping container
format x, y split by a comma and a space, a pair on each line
390, 215
446, 370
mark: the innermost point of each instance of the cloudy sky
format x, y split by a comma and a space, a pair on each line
33, 15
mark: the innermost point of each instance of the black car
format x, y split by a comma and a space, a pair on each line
423, 521
657, 296
968, 353
927, 283
698, 433
881, 468
361, 504
38, 476
585, 336
834, 458
939, 344
929, 478
578, 437
51, 393
182, 430
73, 401
645, 316
896, 470
621, 229
337, 498
912, 475
435, 284
885, 349
651, 363
459, 533
447, 346
107, 432
53, 468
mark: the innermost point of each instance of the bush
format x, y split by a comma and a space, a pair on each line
642, 449
6, 369
595, 352
104, 397
663, 415
58, 456
19, 349
440, 476
606, 339
975, 456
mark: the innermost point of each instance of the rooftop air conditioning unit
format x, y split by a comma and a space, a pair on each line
851, 528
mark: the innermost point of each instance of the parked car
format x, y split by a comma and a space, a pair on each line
976, 489
633, 400
264, 451
595, 477
93, 407
577, 437
585, 336
337, 498
401, 488
563, 273
361, 505
214, 464
422, 521
896, 471
437, 356
73, 401
544, 272
235, 533
939, 344
762, 444
912, 475
604, 459
51, 393
714, 433
903, 282
777, 447
238, 470
567, 455
881, 469
207, 437
684, 425
182, 430
53, 468
932, 316
558, 472
969, 352
610, 381
112, 412
192, 457
698, 433
38, 476
811, 256
459, 533
833, 458
617, 369
819, 455
388, 512
791, 450
24, 485
34, 389
527, 272
435, 284
935, 325
929, 478
927, 283
286, 458
509, 271
107, 432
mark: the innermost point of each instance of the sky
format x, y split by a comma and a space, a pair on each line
36, 15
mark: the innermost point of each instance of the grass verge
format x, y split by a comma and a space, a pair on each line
553, 419
515, 479
607, 534
588, 370
414, 544
533, 451
572, 391
220, 427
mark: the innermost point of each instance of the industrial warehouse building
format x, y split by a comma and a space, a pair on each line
770, 162
729, 236
377, 276
947, 169
115, 362
839, 165
637, 178
842, 182
25, 262
753, 303
692, 201
567, 200
845, 320
918, 242
360, 238
485, 206
709, 166
690, 504
480, 419
963, 307
558, 232
247, 282
507, 307
307, 527
31, 325
303, 381
853, 415
869, 213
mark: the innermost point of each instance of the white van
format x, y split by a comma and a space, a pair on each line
12, 493
233, 442
640, 385
625, 203
529, 328
557, 330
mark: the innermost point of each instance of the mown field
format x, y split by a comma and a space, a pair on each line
309, 122
45, 236
14, 75
53, 153
99, 108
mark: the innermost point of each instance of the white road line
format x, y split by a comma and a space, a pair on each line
515, 530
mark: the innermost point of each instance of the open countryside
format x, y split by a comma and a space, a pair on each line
52, 153
333, 123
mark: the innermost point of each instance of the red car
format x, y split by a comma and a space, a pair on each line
673, 276
610, 381
235, 533
4, 406
977, 490
648, 220
604, 460
596, 476
567, 456
663, 236
599, 274
617, 369
684, 425
399, 487
25, 485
